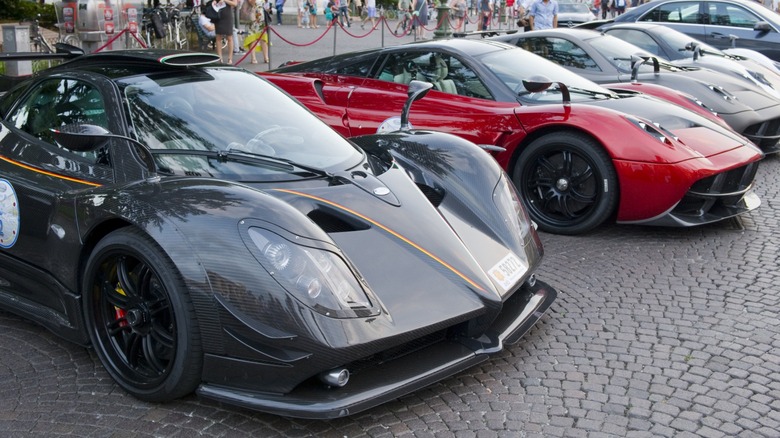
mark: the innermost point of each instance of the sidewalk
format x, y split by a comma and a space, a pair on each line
291, 43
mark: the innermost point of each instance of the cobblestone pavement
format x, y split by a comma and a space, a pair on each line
656, 332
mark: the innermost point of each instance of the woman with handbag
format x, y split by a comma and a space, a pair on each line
224, 27
256, 25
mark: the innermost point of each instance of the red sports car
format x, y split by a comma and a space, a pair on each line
579, 153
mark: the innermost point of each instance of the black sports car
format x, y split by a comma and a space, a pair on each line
205, 232
746, 107
683, 50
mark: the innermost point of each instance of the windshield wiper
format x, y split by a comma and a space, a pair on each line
246, 157
590, 92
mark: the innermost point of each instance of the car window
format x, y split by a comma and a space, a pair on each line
447, 73
560, 51
57, 102
637, 38
361, 68
724, 14
675, 12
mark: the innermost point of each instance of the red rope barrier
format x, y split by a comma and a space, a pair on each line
253, 46
301, 45
115, 37
352, 34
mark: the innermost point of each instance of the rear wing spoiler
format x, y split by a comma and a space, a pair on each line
62, 51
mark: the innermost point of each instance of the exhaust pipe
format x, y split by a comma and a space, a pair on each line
337, 377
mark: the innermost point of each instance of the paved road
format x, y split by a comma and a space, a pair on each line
656, 332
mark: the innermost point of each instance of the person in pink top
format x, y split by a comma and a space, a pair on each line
509, 13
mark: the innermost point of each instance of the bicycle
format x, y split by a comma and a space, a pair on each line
38, 42
389, 13
175, 26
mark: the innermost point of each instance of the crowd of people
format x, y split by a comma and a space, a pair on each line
251, 17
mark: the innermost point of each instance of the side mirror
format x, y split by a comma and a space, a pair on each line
416, 91
638, 60
81, 138
85, 138
695, 48
537, 84
762, 26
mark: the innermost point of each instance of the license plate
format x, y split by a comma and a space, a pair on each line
508, 270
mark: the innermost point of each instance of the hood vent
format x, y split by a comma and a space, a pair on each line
333, 221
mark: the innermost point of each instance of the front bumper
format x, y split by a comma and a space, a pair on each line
711, 199
380, 379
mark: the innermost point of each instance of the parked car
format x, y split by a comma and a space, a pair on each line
571, 14
205, 232
605, 59
562, 138
681, 49
722, 23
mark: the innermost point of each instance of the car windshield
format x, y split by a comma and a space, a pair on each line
204, 115
619, 52
512, 66
679, 40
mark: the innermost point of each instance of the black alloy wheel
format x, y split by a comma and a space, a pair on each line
567, 183
140, 318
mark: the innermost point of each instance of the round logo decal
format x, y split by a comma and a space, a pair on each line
9, 214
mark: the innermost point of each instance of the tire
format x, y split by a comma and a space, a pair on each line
140, 318
567, 183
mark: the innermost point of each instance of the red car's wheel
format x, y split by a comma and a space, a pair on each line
140, 318
567, 182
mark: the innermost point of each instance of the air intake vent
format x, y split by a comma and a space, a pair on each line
435, 196
334, 222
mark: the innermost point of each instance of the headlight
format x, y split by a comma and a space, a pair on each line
508, 203
318, 278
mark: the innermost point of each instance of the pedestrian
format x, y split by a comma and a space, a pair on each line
299, 17
257, 29
459, 10
509, 13
605, 5
331, 13
543, 15
206, 25
371, 14
420, 16
344, 13
620, 7
484, 11
224, 28
279, 9
313, 14
405, 12
523, 9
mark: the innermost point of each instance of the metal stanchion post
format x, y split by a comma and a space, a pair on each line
443, 18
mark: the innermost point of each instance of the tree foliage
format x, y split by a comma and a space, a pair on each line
17, 10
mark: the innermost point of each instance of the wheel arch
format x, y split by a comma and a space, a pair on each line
545, 130
568, 129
